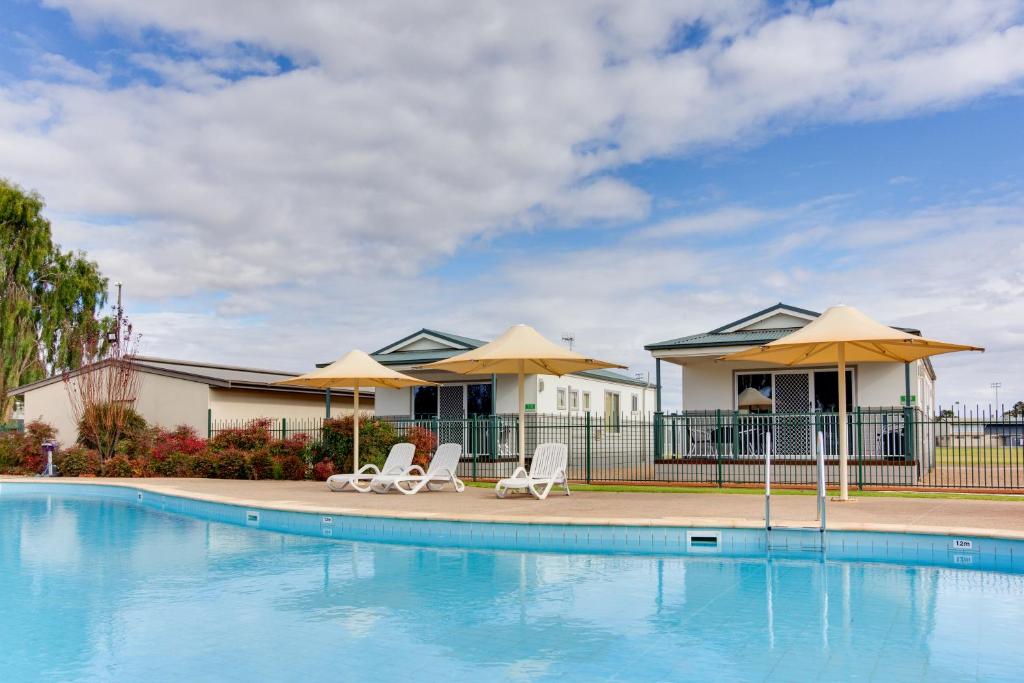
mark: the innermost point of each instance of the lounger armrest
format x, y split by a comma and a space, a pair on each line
413, 470
369, 467
520, 472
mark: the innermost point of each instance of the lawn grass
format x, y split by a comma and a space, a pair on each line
748, 491
979, 455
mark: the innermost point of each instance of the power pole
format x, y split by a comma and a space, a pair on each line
117, 330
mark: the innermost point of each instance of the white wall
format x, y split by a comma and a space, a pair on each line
244, 404
398, 401
164, 401
710, 385
51, 405
547, 400
392, 402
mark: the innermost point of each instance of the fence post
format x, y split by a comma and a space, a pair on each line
659, 435
284, 428
589, 435
473, 426
908, 430
718, 443
494, 437
859, 445
209, 423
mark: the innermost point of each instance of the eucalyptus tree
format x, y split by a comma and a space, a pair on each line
50, 300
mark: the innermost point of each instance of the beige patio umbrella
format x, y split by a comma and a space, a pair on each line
521, 351
842, 335
752, 398
355, 369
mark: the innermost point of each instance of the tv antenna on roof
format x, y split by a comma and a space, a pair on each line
569, 339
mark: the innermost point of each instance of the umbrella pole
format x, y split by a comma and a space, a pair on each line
844, 475
355, 429
522, 415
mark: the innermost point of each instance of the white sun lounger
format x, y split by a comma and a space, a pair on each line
399, 459
441, 472
547, 470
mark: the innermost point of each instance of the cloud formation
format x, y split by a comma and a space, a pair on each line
313, 172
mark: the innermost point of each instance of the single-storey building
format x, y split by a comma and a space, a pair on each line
179, 392
597, 392
710, 384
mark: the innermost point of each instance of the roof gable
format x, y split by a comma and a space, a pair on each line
757, 328
779, 316
427, 340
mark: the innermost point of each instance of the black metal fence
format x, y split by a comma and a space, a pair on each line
888, 447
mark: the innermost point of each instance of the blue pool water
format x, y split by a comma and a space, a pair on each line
100, 587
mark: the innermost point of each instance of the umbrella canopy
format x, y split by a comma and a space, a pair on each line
841, 335
353, 370
752, 398
521, 351
863, 340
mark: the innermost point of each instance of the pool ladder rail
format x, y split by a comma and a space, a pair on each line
821, 511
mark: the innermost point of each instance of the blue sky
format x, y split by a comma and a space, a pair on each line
276, 189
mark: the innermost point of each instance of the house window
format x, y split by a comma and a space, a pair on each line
586, 401
636, 403
424, 403
612, 411
561, 399
754, 392
574, 400
478, 400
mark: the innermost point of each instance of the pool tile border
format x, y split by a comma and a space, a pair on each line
970, 551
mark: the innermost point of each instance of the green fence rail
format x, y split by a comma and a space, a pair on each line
13, 426
888, 447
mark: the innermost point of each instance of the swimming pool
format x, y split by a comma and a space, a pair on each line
102, 585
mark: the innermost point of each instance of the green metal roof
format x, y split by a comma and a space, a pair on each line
739, 338
423, 357
467, 342
777, 307
717, 337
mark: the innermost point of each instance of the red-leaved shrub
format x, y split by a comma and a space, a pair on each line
261, 465
292, 467
323, 469
77, 461
425, 442
118, 466
232, 464
181, 439
33, 458
253, 436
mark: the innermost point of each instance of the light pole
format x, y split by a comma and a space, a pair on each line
996, 385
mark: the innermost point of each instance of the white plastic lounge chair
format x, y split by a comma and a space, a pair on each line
440, 472
547, 470
399, 459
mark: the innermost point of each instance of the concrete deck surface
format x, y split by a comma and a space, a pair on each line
1000, 519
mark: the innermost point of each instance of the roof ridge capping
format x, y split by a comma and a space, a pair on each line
218, 366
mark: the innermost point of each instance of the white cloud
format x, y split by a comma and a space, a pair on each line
313, 205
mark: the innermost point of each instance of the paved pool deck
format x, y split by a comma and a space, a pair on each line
961, 517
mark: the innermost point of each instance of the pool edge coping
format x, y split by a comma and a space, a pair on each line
543, 520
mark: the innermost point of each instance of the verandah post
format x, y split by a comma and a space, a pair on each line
209, 423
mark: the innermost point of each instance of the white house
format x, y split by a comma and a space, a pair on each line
601, 392
178, 392
710, 384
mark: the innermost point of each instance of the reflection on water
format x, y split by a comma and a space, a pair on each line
99, 590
